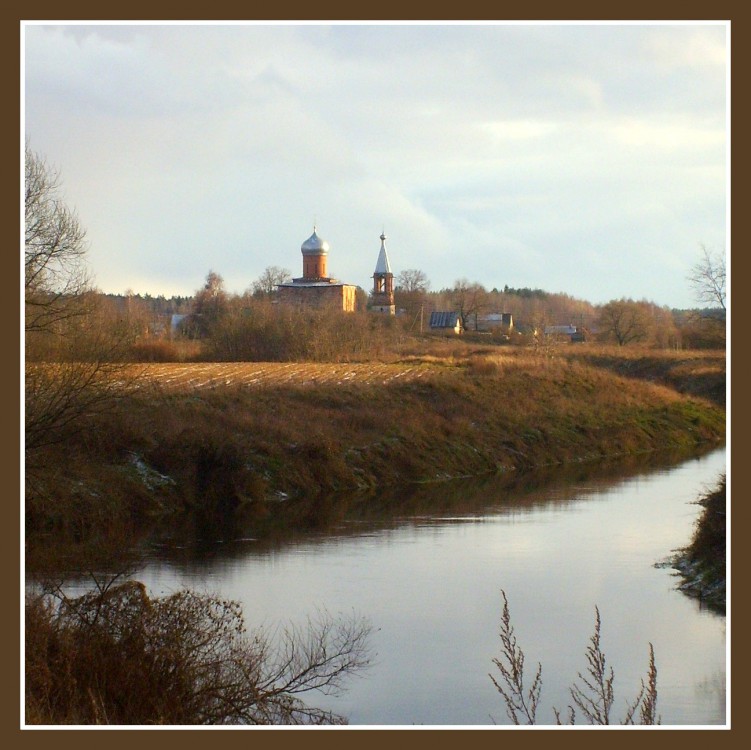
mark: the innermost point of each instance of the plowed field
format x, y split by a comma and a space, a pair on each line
264, 374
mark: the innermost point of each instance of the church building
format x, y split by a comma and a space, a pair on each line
314, 287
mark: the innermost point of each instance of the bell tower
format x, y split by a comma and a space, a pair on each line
382, 296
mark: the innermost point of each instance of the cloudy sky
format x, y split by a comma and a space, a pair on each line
587, 159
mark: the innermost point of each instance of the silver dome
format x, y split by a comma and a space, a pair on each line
314, 245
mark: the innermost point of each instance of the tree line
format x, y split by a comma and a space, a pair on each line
251, 325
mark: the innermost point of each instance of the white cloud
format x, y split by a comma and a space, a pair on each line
668, 136
696, 48
485, 151
518, 129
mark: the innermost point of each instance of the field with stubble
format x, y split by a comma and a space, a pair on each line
695, 373
198, 376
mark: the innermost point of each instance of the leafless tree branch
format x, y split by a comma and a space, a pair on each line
707, 278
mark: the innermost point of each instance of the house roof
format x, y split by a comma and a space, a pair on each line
297, 283
497, 317
443, 319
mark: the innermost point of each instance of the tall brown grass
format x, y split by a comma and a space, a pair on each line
591, 693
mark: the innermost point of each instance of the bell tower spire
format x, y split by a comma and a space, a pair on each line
382, 296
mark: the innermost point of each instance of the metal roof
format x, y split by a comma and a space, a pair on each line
560, 329
443, 319
497, 317
314, 245
295, 283
383, 265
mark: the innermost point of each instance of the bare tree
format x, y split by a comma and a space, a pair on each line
71, 357
267, 282
625, 321
412, 280
55, 250
469, 298
210, 304
410, 293
707, 278
212, 296
544, 340
58, 397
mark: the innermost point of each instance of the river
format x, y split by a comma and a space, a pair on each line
428, 571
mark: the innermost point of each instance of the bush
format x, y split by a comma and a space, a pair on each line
260, 331
164, 350
117, 656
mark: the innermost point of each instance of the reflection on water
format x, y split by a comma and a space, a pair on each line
289, 522
427, 565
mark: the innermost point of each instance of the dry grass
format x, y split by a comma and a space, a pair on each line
699, 373
591, 694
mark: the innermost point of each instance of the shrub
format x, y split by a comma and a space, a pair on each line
164, 350
257, 330
117, 656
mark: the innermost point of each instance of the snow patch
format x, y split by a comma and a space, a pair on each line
150, 477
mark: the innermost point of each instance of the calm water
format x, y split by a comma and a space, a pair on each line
430, 583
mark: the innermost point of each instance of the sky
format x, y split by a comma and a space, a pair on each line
588, 159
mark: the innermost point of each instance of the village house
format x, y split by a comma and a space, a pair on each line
445, 322
496, 321
573, 333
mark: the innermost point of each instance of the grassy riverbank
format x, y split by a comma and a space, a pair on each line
213, 443
694, 373
702, 564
